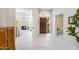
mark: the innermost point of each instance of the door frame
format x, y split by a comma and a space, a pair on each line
50, 19
55, 22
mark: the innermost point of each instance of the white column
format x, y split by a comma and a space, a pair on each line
53, 24
35, 31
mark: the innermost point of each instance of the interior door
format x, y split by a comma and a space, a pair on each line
42, 25
59, 24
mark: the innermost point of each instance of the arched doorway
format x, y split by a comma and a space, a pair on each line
45, 22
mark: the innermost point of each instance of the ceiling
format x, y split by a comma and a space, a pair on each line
48, 9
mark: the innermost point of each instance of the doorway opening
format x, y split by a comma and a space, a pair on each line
24, 27
59, 24
23, 21
45, 22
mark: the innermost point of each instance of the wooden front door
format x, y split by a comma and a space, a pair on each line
42, 25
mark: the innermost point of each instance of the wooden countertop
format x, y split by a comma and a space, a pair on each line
7, 27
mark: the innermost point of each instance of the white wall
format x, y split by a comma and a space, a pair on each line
7, 17
24, 16
35, 30
35, 23
66, 13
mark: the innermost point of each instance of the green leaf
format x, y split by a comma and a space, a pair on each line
75, 24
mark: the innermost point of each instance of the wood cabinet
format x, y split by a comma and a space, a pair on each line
7, 38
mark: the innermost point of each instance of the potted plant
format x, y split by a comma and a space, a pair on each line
73, 29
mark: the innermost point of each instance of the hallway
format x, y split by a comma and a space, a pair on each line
40, 23
44, 41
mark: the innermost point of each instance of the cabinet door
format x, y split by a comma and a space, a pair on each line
3, 37
11, 44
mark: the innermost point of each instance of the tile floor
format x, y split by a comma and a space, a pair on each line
43, 42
